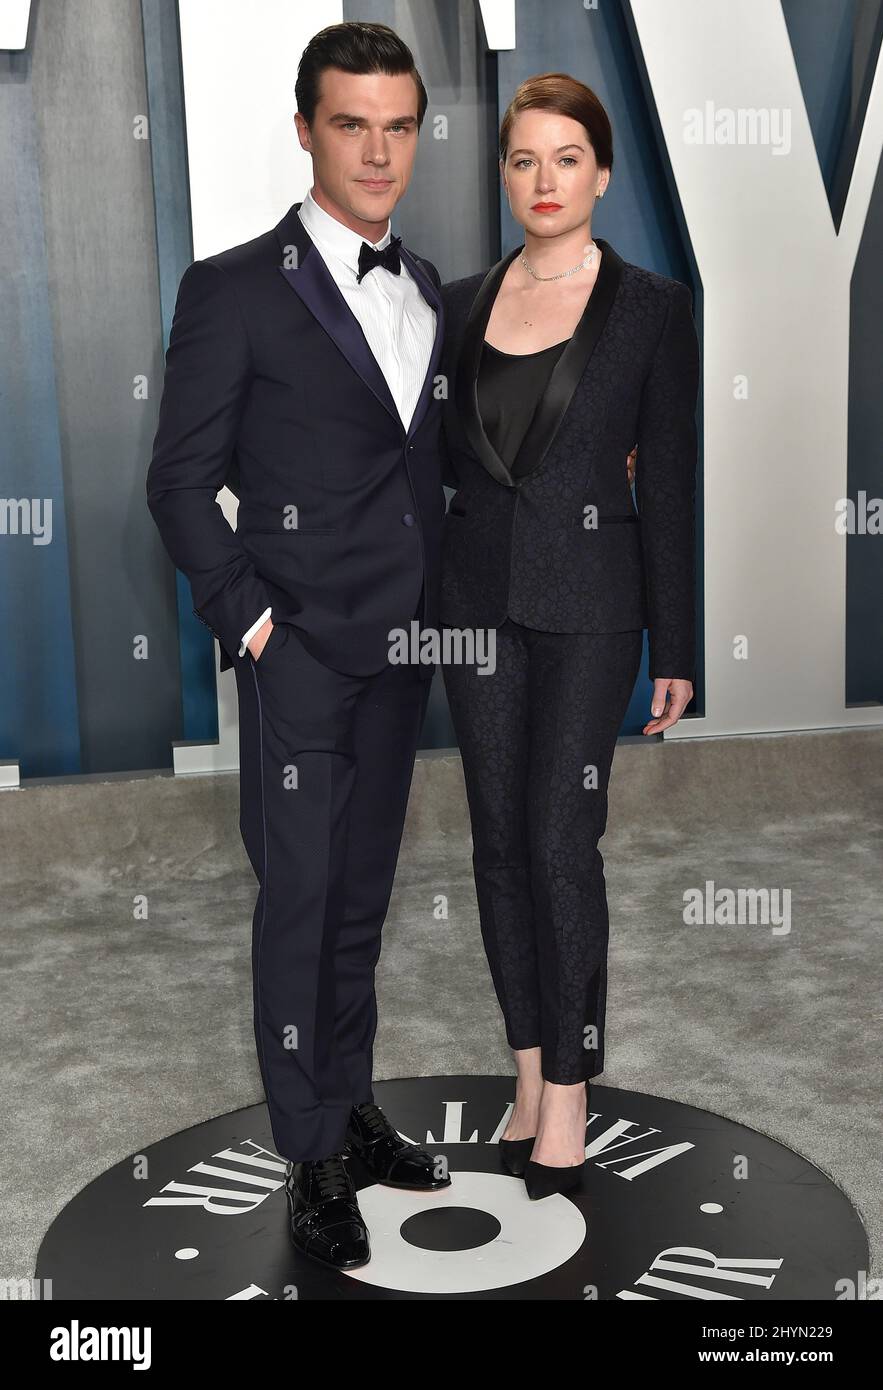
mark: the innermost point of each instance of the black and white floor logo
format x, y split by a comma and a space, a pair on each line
676, 1204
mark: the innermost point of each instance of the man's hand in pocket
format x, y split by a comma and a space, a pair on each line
630, 465
259, 641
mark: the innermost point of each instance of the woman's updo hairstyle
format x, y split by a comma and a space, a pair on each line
557, 91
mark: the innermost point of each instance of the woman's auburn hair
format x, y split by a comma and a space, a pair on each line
559, 92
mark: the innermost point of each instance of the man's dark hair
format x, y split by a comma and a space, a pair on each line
354, 47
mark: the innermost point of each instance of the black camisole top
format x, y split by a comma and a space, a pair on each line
510, 387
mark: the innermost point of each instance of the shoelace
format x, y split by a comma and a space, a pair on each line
376, 1120
332, 1178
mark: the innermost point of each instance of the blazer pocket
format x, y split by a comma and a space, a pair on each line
277, 638
290, 530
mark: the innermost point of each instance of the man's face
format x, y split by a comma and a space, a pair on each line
363, 140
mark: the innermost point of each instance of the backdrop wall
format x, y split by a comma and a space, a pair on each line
139, 136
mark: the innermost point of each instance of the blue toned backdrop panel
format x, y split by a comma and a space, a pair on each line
38, 692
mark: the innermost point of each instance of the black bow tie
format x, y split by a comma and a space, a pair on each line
389, 258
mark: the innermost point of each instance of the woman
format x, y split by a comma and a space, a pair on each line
560, 360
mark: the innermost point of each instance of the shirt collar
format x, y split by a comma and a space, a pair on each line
332, 236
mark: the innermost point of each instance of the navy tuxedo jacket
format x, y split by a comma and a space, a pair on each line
271, 388
560, 546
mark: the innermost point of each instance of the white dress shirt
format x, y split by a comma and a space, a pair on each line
397, 321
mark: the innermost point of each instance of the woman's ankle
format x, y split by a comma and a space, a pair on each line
524, 1119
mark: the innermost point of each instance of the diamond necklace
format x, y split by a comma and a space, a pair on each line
584, 264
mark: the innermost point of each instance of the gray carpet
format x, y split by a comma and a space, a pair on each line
126, 995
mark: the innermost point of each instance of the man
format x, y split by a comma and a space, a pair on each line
300, 370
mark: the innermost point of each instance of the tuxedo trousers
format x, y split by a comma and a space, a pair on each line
326, 761
537, 739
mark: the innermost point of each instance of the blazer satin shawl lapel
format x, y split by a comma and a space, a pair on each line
466, 389
432, 296
563, 382
314, 284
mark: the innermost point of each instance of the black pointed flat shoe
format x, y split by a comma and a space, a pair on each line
388, 1157
514, 1154
324, 1220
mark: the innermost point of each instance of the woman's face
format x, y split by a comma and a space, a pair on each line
550, 173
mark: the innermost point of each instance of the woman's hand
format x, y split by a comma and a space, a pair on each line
679, 693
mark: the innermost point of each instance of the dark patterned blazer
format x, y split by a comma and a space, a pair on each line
560, 547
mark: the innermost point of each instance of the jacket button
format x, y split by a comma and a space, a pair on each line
408, 519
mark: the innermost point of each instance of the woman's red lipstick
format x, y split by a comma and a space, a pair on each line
546, 207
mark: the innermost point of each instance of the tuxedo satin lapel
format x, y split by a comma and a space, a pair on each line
432, 297
426, 287
314, 284
469, 361
570, 365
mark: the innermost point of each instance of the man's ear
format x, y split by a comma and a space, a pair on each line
303, 132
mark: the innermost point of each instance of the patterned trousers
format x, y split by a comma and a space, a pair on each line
537, 739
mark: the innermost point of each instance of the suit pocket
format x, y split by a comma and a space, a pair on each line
290, 531
274, 642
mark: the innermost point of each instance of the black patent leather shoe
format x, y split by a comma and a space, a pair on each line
388, 1157
323, 1213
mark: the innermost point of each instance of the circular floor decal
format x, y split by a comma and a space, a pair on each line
676, 1204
